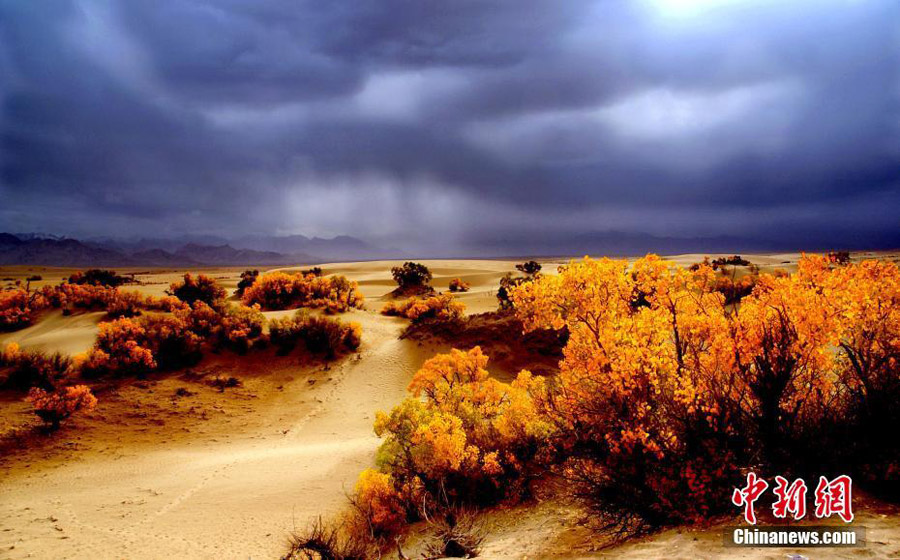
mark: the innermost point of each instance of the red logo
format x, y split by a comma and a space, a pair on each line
832, 497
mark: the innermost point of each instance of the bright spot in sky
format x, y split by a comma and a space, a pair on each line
692, 8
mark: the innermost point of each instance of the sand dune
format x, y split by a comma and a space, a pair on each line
233, 498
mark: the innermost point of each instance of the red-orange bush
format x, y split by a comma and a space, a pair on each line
125, 304
458, 285
18, 308
281, 290
83, 296
167, 304
55, 407
118, 350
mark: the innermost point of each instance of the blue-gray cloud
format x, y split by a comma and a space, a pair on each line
472, 119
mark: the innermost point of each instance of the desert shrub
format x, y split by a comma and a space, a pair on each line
118, 350
785, 333
125, 304
165, 304
221, 383
839, 257
280, 290
320, 335
200, 288
457, 285
461, 437
55, 407
138, 346
171, 341
27, 369
200, 319
735, 289
241, 326
442, 307
315, 271
411, 275
331, 337
248, 277
507, 284
89, 297
531, 268
384, 509
322, 541
734, 260
646, 426
658, 404
866, 298
456, 533
98, 277
19, 308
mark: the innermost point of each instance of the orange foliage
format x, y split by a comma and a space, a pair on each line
118, 350
443, 307
125, 304
84, 296
19, 307
57, 406
461, 435
379, 503
666, 389
281, 290
457, 285
241, 326
642, 399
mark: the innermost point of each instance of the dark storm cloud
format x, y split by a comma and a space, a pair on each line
468, 118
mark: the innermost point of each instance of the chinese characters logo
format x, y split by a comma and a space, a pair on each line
832, 497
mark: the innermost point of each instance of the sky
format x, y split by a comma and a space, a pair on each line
435, 124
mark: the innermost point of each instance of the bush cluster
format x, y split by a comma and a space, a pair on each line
281, 290
136, 346
320, 335
666, 394
659, 406
443, 307
96, 290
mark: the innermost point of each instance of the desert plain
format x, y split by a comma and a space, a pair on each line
171, 467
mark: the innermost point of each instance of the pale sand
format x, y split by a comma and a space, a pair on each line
227, 475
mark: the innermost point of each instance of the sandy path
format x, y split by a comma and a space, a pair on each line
230, 499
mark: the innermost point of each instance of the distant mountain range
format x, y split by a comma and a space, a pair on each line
259, 250
48, 250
